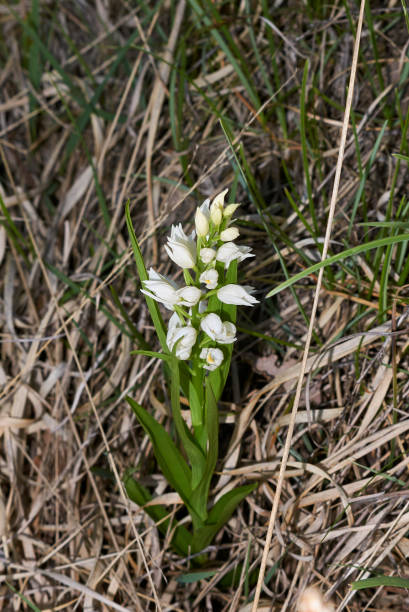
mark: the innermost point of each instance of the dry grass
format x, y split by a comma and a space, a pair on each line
101, 102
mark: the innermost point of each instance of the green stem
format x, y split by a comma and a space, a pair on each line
196, 403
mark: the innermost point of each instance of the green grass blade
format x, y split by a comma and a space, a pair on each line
35, 65
377, 581
304, 146
195, 576
224, 39
339, 257
23, 598
364, 178
14, 235
406, 13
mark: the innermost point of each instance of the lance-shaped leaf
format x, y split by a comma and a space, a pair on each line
143, 275
192, 448
182, 538
219, 515
168, 456
170, 461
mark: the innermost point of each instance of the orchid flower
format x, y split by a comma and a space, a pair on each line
213, 358
236, 294
209, 278
196, 351
213, 326
161, 289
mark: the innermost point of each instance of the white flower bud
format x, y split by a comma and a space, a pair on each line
230, 210
236, 294
207, 255
216, 208
189, 296
218, 201
229, 251
201, 223
213, 358
209, 278
181, 248
229, 234
216, 215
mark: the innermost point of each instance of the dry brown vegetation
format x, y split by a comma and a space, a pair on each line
104, 101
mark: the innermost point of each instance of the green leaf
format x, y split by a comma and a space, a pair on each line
219, 515
196, 576
168, 456
29, 603
182, 538
376, 581
167, 358
400, 156
391, 224
339, 257
143, 275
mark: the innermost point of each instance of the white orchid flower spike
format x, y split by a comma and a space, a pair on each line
201, 326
